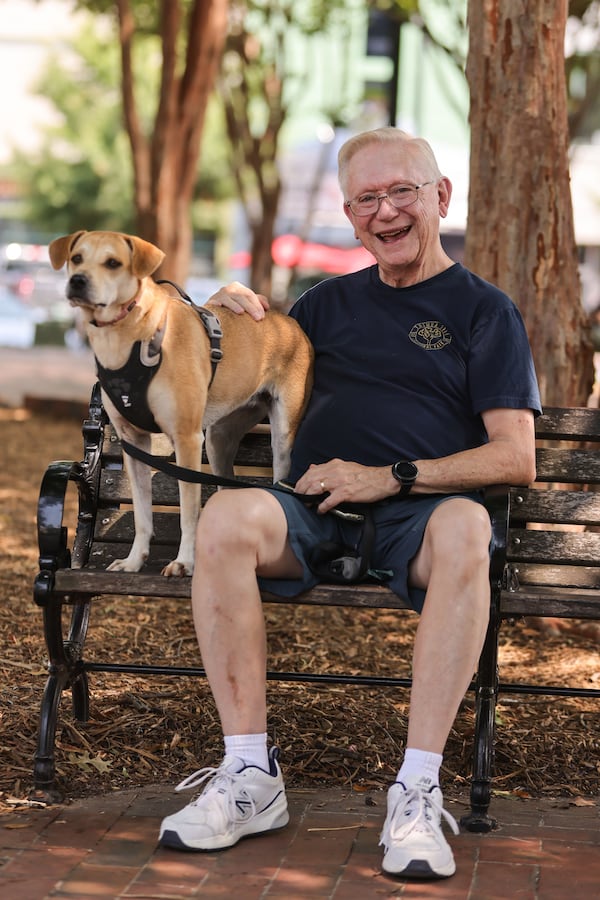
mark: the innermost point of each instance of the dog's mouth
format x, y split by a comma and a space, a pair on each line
76, 300
79, 294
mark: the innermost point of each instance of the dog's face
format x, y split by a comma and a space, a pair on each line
105, 267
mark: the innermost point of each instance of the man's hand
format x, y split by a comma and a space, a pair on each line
240, 299
347, 482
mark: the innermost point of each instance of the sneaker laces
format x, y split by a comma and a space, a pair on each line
416, 811
221, 780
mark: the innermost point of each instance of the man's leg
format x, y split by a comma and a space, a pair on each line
227, 608
453, 565
242, 796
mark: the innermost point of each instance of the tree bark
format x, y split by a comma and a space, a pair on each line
251, 76
166, 160
520, 232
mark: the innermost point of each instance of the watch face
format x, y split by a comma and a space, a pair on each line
406, 470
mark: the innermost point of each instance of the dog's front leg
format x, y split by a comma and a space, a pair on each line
188, 453
140, 479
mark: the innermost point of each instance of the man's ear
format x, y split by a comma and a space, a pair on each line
349, 217
444, 195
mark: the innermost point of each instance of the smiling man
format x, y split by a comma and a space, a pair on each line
424, 393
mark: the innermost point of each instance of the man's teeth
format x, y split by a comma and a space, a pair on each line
391, 235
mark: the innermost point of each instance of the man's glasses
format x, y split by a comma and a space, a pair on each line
399, 195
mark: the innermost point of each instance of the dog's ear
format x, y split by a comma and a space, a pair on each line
145, 257
58, 250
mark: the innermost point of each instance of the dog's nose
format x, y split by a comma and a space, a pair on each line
78, 282
78, 289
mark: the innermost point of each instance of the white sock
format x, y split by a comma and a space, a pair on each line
420, 763
252, 748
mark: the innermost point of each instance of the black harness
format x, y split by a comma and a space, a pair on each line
128, 386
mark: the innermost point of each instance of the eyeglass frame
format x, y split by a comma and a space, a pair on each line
386, 195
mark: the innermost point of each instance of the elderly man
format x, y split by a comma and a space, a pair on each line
424, 393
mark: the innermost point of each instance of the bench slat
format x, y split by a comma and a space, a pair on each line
576, 603
102, 554
556, 547
558, 576
115, 487
116, 526
578, 423
568, 466
554, 506
70, 582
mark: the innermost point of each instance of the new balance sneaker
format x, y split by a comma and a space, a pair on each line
415, 846
237, 800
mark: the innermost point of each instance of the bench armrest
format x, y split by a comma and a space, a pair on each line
52, 534
497, 502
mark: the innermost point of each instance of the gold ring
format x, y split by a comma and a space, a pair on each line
322, 483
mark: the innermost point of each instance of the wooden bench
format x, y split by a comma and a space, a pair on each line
547, 570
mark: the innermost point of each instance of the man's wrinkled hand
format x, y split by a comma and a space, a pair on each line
240, 299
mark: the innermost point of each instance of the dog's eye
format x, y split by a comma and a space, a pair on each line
76, 259
112, 263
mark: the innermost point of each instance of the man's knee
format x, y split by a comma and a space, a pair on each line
229, 519
460, 531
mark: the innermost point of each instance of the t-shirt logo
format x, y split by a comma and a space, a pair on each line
430, 335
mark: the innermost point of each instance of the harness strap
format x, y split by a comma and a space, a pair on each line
211, 324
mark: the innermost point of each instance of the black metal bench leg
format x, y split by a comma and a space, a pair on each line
66, 671
479, 820
44, 772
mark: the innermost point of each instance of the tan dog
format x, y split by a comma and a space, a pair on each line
266, 369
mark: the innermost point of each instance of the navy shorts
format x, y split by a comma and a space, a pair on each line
399, 529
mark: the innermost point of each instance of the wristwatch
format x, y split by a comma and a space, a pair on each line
406, 473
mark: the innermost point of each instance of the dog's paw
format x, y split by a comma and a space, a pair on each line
177, 569
128, 564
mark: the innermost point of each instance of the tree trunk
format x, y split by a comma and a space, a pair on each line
520, 232
166, 162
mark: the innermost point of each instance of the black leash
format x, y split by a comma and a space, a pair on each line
332, 562
182, 473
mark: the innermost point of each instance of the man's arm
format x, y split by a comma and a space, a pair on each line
508, 458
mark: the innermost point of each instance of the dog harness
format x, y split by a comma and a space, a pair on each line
127, 387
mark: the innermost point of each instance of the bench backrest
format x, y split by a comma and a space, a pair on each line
553, 535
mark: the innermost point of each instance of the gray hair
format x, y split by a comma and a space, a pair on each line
415, 146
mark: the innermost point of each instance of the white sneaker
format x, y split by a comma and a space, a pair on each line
237, 800
415, 846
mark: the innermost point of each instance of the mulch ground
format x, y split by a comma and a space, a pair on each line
145, 731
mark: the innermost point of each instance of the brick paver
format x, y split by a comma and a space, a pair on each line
105, 849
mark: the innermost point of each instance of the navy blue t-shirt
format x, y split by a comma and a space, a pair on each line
404, 373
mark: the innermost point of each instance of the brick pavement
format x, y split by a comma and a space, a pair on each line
105, 847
